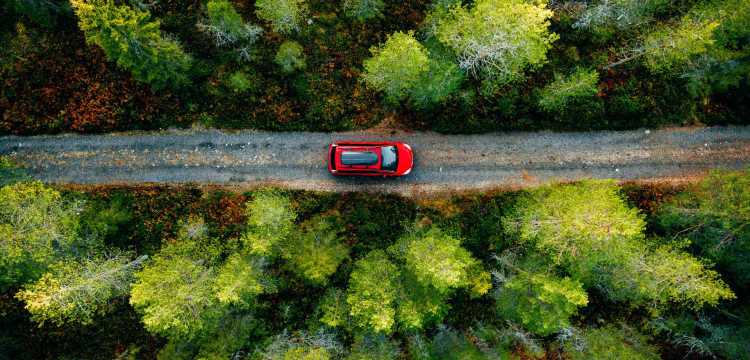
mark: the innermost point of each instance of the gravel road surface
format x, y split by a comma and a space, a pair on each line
443, 162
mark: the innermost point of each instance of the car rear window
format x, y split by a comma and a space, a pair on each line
390, 158
359, 158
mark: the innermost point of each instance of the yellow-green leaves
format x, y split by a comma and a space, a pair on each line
36, 227
498, 39
77, 291
285, 16
396, 66
315, 251
589, 231
556, 96
270, 219
373, 287
542, 303
239, 280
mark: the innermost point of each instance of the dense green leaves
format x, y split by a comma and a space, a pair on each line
556, 96
290, 57
588, 230
373, 287
543, 304
175, 296
132, 39
716, 217
285, 16
363, 9
315, 252
37, 226
270, 220
239, 280
396, 66
77, 291
610, 342
436, 259
498, 39
227, 28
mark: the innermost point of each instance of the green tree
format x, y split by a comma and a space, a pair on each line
397, 66
673, 47
270, 220
542, 303
290, 57
302, 346
557, 96
417, 304
377, 347
362, 10
607, 17
498, 39
37, 226
588, 229
436, 259
716, 217
610, 342
372, 293
334, 309
285, 16
132, 39
77, 291
176, 293
239, 280
315, 252
227, 29
442, 79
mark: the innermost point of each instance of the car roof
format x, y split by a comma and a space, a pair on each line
349, 157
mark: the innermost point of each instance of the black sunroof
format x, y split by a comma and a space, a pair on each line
359, 158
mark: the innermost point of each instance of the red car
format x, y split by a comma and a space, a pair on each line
364, 158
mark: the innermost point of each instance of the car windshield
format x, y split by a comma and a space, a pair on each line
390, 158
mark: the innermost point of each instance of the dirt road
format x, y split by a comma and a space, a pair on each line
456, 162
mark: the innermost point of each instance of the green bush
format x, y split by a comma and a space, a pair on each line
37, 227
130, 38
290, 57
362, 10
557, 96
543, 304
238, 82
498, 39
397, 66
285, 16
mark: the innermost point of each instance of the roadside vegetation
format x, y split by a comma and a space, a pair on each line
447, 65
586, 270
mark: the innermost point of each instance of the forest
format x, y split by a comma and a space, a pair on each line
93, 66
582, 270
